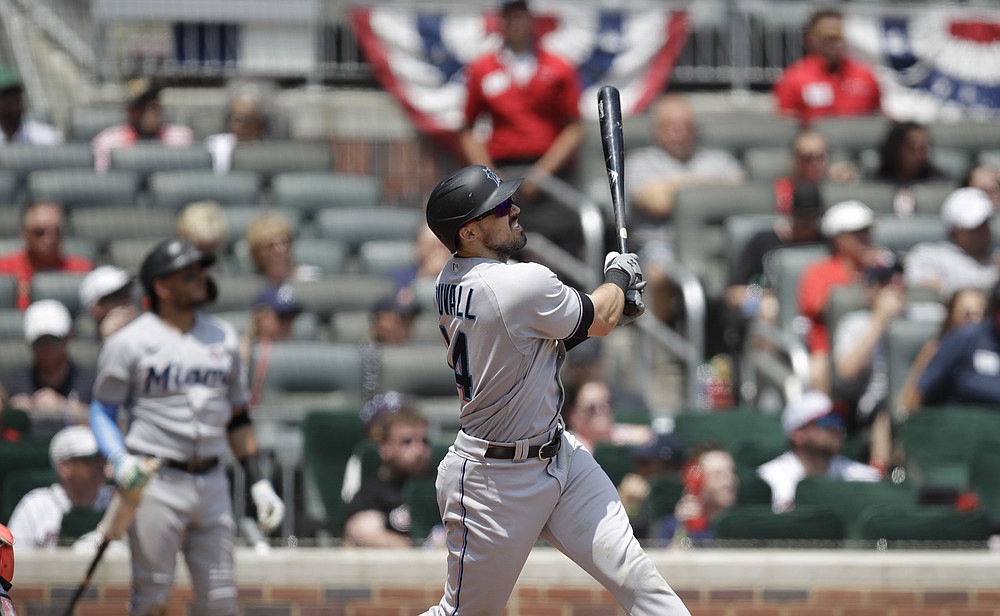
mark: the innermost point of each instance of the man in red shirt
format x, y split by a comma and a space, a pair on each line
532, 99
826, 82
847, 226
42, 232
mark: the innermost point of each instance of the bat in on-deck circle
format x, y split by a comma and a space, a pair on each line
609, 114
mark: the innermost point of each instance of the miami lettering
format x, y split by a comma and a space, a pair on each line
454, 301
174, 378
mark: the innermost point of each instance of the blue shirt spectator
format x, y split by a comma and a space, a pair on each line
966, 368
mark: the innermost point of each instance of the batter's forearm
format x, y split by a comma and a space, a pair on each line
609, 301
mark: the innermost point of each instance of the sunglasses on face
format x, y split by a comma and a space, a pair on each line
499, 211
43, 231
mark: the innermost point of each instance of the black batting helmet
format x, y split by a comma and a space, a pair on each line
167, 257
469, 192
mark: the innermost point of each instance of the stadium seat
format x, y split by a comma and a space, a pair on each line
359, 225
175, 189
420, 495
738, 230
752, 490
269, 158
83, 188
311, 373
990, 157
767, 163
16, 485
104, 224
16, 459
901, 525
236, 291
63, 287
954, 162
128, 253
11, 324
312, 191
727, 428
10, 221
852, 133
967, 135
787, 265
750, 453
735, 132
385, 256
332, 294
985, 481
8, 292
8, 186
146, 159
903, 340
755, 524
699, 215
416, 369
306, 326
664, 492
79, 521
930, 196
24, 159
901, 234
940, 442
616, 460
329, 439
86, 121
876, 195
850, 498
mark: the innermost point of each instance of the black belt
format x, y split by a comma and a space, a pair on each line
542, 452
197, 466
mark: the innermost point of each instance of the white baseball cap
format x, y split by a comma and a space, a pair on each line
46, 317
846, 217
966, 208
807, 409
72, 442
100, 283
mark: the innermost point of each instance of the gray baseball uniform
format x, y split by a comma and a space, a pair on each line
179, 389
504, 326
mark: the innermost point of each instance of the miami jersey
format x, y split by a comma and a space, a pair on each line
179, 388
504, 325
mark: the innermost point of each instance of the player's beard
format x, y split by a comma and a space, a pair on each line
508, 243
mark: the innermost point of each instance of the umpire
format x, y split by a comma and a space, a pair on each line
177, 372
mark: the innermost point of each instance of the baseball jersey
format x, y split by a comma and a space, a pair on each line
504, 324
179, 387
38, 516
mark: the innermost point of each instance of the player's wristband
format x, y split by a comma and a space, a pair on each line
618, 278
239, 420
251, 466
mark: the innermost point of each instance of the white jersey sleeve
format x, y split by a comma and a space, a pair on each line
535, 304
115, 367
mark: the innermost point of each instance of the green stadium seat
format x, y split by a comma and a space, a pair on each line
738, 230
852, 133
385, 256
21, 160
930, 196
84, 188
146, 159
309, 373
19, 461
420, 495
16, 485
85, 121
736, 132
901, 234
767, 163
175, 189
787, 265
985, 482
940, 442
900, 524
416, 369
358, 225
104, 224
876, 195
967, 135
753, 490
269, 158
311, 191
616, 460
8, 291
727, 428
79, 521
757, 525
903, 340
664, 492
328, 440
8, 186
128, 253
63, 287
850, 498
306, 326
332, 294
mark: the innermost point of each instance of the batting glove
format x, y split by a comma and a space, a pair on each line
131, 472
622, 270
270, 508
634, 306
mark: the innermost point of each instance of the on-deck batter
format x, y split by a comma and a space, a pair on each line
178, 373
513, 475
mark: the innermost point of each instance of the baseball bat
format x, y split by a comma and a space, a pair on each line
86, 578
609, 113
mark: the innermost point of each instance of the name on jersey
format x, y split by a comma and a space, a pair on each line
454, 301
173, 377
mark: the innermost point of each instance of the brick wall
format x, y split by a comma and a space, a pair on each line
402, 583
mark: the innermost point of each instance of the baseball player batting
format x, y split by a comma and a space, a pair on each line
513, 475
177, 372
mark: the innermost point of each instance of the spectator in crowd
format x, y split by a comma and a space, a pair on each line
966, 367
966, 307
826, 81
429, 256
662, 454
378, 516
748, 295
248, 118
144, 122
531, 98
79, 465
986, 179
106, 294
809, 166
847, 227
391, 322
655, 174
967, 258
859, 360
589, 415
815, 435
710, 487
53, 386
270, 241
42, 233
203, 223
272, 317
373, 415
904, 160
14, 128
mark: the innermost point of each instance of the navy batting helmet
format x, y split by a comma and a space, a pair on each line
168, 257
469, 192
